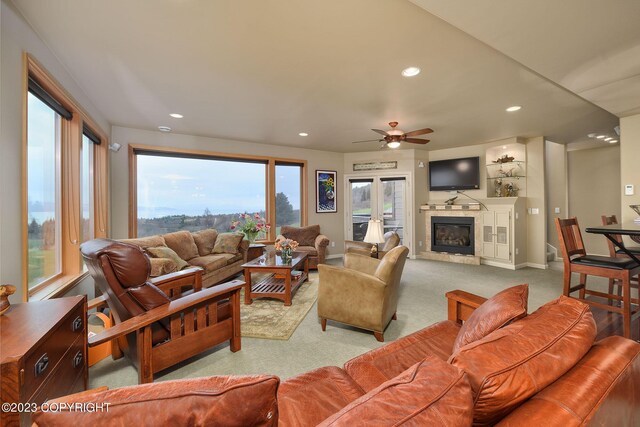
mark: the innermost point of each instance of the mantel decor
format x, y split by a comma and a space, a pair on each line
371, 166
326, 197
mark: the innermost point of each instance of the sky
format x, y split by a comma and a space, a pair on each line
175, 186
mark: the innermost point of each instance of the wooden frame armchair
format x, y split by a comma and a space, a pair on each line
158, 322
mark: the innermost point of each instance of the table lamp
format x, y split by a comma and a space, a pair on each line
374, 235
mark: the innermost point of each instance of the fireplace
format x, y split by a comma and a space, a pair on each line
452, 234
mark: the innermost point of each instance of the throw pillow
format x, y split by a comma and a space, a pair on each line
205, 240
305, 236
182, 243
165, 252
429, 393
510, 365
494, 313
227, 243
221, 400
162, 266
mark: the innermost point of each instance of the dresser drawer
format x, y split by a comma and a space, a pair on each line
63, 377
42, 361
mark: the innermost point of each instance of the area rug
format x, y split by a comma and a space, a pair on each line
270, 319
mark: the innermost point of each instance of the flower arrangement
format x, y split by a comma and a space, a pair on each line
286, 248
283, 244
251, 225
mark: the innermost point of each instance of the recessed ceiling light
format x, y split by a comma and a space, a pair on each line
164, 128
608, 138
613, 141
303, 134
411, 71
514, 108
176, 115
601, 136
504, 147
592, 135
393, 144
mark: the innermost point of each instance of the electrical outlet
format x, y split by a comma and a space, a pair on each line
557, 210
333, 244
628, 190
420, 243
517, 251
517, 216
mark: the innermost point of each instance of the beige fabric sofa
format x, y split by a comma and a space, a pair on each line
196, 249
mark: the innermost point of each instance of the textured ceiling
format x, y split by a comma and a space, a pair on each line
265, 70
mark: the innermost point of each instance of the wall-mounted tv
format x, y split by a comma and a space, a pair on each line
454, 174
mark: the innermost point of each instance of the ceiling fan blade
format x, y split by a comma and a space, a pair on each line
381, 132
419, 132
366, 140
416, 140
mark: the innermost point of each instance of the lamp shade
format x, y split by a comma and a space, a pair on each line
374, 232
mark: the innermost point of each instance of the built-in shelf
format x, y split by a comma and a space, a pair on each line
506, 179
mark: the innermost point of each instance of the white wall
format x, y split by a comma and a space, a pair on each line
17, 37
629, 164
330, 223
593, 191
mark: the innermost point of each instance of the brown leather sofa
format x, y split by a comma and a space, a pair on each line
508, 368
198, 249
391, 240
364, 293
310, 241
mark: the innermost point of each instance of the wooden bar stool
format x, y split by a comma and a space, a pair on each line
576, 260
618, 253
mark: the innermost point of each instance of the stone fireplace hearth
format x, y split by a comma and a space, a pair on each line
457, 238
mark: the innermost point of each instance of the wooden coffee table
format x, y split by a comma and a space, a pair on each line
279, 284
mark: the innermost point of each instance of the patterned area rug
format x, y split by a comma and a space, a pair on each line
270, 319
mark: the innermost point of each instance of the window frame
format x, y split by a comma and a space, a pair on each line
69, 162
270, 170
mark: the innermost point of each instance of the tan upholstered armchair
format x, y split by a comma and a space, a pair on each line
309, 240
363, 293
391, 240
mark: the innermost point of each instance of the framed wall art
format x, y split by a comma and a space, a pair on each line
326, 194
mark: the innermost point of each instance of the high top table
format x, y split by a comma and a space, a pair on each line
627, 229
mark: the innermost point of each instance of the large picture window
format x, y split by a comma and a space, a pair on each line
64, 168
194, 190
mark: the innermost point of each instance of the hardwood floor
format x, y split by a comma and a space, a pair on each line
611, 323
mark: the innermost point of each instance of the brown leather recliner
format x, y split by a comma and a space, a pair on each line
157, 326
364, 293
391, 240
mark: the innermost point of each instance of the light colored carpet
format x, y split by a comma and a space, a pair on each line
269, 318
421, 303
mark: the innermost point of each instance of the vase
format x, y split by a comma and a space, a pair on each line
251, 236
285, 255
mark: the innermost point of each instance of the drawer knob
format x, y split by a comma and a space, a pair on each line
42, 364
77, 359
77, 324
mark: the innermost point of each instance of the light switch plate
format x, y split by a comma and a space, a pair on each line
628, 190
557, 210
535, 211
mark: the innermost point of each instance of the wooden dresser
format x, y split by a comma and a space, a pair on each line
43, 347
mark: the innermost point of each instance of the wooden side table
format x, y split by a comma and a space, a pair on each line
255, 250
43, 353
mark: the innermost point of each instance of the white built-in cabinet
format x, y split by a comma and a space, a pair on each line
496, 234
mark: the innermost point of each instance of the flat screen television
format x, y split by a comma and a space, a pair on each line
454, 174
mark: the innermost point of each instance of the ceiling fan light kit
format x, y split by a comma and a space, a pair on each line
394, 137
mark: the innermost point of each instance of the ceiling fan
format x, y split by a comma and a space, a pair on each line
393, 137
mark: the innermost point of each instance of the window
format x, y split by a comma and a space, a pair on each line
196, 190
64, 168
288, 195
43, 190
